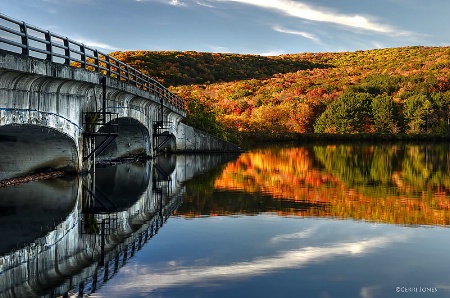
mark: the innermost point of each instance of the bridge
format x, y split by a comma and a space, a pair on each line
101, 227
65, 106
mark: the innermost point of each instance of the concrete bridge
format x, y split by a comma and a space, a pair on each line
101, 227
64, 106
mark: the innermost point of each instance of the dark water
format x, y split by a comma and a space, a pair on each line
312, 221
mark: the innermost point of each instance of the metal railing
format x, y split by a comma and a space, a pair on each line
22, 38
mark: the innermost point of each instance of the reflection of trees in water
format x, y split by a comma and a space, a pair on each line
410, 168
404, 184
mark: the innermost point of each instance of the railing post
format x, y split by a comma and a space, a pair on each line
136, 77
145, 83
83, 56
67, 51
97, 62
151, 86
25, 40
108, 65
49, 46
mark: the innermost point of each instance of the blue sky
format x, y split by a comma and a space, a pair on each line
265, 27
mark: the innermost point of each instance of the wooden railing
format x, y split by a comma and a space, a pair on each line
19, 37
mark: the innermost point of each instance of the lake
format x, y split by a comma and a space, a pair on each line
284, 221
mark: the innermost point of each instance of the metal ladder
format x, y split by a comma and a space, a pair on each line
107, 122
161, 134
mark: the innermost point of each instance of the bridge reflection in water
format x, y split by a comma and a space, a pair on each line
107, 218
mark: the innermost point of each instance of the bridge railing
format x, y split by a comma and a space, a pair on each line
19, 37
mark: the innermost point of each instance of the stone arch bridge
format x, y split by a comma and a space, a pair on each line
64, 105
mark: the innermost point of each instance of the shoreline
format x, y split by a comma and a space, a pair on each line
320, 138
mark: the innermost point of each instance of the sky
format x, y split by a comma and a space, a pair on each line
263, 27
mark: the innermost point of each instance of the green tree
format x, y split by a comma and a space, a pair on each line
385, 114
200, 117
417, 111
439, 121
351, 113
379, 84
325, 123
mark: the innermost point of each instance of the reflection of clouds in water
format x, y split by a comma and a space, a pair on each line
369, 292
179, 275
306, 233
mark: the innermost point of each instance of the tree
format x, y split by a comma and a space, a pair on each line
200, 117
385, 114
270, 119
417, 110
379, 84
351, 113
439, 121
325, 123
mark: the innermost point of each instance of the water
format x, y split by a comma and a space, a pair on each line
311, 221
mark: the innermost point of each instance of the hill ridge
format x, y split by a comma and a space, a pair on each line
394, 90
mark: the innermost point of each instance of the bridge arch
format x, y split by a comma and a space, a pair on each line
28, 148
133, 140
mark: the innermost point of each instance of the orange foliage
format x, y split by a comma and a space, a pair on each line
289, 174
288, 92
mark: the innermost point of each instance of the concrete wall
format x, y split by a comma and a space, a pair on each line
189, 139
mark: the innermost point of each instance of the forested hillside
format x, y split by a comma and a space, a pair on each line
184, 68
389, 91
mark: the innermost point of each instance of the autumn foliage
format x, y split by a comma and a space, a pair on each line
386, 91
396, 183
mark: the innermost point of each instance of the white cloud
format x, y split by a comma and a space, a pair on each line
177, 275
307, 12
273, 53
170, 2
301, 33
97, 45
177, 3
204, 4
219, 49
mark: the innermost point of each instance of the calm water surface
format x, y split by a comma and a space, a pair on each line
316, 221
